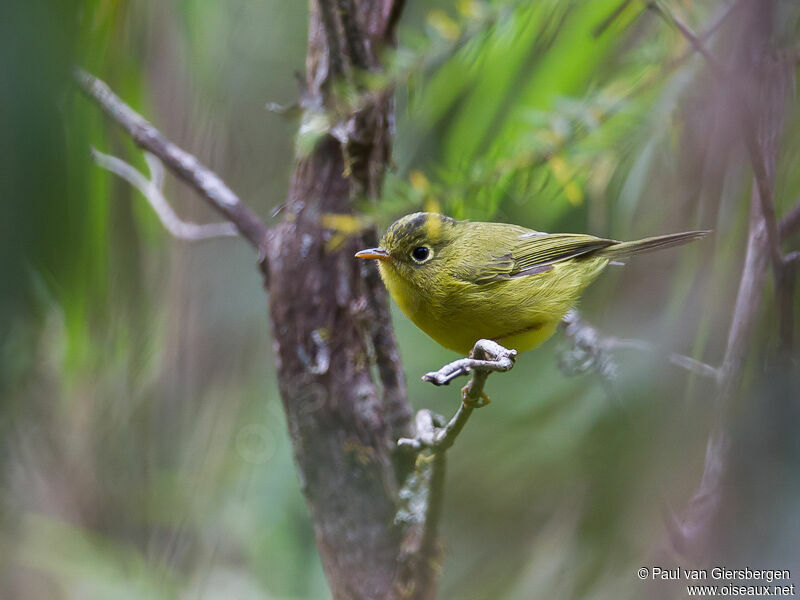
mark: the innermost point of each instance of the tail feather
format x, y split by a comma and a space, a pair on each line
625, 250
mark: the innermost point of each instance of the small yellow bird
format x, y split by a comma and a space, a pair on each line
461, 281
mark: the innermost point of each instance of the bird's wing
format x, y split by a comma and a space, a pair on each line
535, 253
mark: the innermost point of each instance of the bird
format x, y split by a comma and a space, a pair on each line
462, 281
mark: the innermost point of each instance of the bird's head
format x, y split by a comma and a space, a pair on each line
415, 247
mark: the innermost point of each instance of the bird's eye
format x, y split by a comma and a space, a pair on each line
421, 254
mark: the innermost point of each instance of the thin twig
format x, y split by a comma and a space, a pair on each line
694, 40
489, 357
180, 162
593, 350
464, 366
151, 189
679, 360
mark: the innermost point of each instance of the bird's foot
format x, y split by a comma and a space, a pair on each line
483, 400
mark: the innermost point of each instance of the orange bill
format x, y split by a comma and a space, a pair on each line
378, 253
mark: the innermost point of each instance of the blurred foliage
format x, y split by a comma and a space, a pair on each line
144, 449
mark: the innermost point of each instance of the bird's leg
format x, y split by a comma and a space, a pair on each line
482, 400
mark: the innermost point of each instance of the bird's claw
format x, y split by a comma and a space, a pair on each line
483, 400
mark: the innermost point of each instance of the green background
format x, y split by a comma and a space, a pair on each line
144, 450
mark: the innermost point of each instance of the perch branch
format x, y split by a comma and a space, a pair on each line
180, 162
151, 189
423, 492
464, 366
488, 357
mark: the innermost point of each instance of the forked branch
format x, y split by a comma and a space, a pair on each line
501, 359
181, 163
422, 494
487, 357
152, 190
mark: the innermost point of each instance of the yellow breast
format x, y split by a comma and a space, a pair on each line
519, 313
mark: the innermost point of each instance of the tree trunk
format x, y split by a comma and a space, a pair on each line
330, 323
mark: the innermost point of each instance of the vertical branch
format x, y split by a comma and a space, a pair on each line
748, 300
353, 34
761, 135
343, 420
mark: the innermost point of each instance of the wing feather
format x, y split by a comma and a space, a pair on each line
532, 255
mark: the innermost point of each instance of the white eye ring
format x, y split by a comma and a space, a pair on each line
421, 254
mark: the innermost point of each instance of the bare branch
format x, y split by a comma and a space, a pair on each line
440, 438
180, 162
464, 366
696, 43
690, 531
766, 201
421, 503
679, 360
748, 301
151, 189
490, 357
592, 350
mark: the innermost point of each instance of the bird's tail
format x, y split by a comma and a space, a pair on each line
624, 250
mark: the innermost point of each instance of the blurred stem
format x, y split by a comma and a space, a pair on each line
592, 350
745, 312
679, 360
691, 533
151, 189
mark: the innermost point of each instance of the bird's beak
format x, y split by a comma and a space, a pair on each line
378, 253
